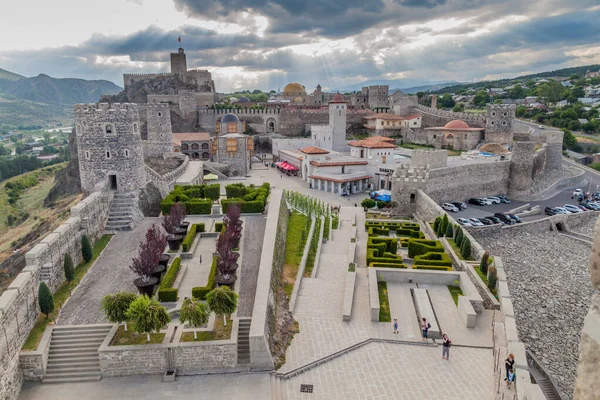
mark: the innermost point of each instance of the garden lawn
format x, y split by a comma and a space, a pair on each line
62, 294
129, 338
455, 291
220, 332
483, 278
384, 304
294, 249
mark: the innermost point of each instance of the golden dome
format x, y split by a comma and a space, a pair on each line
298, 100
294, 87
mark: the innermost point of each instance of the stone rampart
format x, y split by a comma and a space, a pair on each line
166, 182
433, 158
434, 117
18, 304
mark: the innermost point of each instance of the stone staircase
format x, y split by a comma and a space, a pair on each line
73, 354
207, 166
120, 215
243, 346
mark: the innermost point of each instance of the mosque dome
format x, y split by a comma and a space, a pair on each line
457, 124
243, 99
230, 118
294, 87
338, 98
233, 100
298, 100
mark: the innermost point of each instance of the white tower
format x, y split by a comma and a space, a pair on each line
337, 122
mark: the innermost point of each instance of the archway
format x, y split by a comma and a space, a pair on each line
195, 146
195, 155
270, 125
450, 141
205, 155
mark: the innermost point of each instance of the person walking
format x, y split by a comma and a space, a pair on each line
395, 325
510, 378
425, 327
508, 364
446, 346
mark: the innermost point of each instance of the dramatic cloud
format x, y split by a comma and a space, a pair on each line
265, 44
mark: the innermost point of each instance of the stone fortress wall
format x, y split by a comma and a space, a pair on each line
159, 131
18, 304
435, 117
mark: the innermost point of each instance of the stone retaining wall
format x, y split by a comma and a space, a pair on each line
18, 304
33, 363
302, 267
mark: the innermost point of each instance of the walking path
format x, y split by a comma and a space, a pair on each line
252, 241
110, 274
198, 268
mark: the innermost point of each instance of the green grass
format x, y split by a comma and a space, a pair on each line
294, 249
457, 250
62, 294
336, 222
220, 332
384, 304
455, 292
130, 338
312, 251
483, 278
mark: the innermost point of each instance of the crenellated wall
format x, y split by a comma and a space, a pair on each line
18, 304
434, 117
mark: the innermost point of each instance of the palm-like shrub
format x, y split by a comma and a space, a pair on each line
148, 315
194, 313
115, 307
222, 301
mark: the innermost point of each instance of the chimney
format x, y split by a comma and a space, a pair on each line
434, 101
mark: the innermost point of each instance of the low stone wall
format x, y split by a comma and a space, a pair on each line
44, 262
319, 247
33, 363
348, 295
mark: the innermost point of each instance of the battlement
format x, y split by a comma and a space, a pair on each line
240, 111
411, 173
156, 75
450, 114
101, 107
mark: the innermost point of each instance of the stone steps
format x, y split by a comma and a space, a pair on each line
73, 354
243, 346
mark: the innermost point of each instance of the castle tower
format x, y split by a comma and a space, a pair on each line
179, 63
109, 146
406, 182
521, 169
499, 123
337, 122
160, 133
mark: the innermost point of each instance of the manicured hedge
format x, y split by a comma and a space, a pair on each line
410, 233
191, 235
379, 248
386, 265
371, 258
219, 226
417, 247
404, 242
198, 206
200, 292
431, 258
251, 199
432, 268
166, 291
197, 198
213, 191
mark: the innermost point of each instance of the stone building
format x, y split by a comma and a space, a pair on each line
378, 149
376, 96
159, 137
499, 123
110, 146
457, 135
232, 147
197, 145
385, 124
333, 135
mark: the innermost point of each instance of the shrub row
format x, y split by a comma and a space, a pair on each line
393, 225
410, 233
404, 242
390, 258
191, 235
416, 247
166, 291
432, 267
431, 258
251, 199
386, 265
219, 226
200, 292
195, 198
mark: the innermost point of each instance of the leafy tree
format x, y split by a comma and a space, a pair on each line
483, 265
222, 301
148, 315
517, 92
449, 231
481, 98
446, 101
569, 140
194, 313
492, 278
458, 237
115, 307
4, 151
521, 111
465, 247
381, 204
45, 300
552, 91
459, 107
144, 265
440, 230
86, 249
69, 268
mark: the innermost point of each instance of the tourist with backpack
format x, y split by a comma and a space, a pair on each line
425, 327
446, 347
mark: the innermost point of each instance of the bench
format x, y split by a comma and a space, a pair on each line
424, 309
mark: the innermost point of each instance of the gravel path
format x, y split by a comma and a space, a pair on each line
585, 228
550, 286
110, 274
254, 231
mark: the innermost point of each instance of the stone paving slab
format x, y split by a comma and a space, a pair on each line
253, 235
398, 371
110, 274
403, 308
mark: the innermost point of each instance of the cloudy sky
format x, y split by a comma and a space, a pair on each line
249, 44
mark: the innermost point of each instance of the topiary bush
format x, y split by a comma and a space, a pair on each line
465, 248
459, 237
386, 265
199, 206
433, 259
449, 231
444, 223
381, 204
212, 192
440, 230
433, 267
436, 223
417, 247
483, 265
492, 278
86, 249
200, 292
69, 268
368, 203
45, 300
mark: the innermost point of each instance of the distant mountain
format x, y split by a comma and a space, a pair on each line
426, 88
49, 90
9, 76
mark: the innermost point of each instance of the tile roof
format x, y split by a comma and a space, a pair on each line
190, 137
337, 163
314, 150
372, 144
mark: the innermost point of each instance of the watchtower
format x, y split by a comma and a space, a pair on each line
337, 122
179, 64
160, 133
406, 182
499, 123
109, 146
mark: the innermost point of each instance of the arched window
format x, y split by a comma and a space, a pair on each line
109, 129
205, 145
108, 154
195, 146
184, 146
159, 114
135, 128
78, 129
205, 155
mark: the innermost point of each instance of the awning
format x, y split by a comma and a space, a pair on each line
289, 167
210, 177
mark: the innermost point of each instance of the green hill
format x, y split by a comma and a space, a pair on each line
9, 76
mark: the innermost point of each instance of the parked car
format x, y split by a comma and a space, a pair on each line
477, 202
495, 220
515, 217
475, 222
596, 196
550, 211
561, 210
486, 221
572, 209
503, 199
577, 193
504, 218
450, 207
592, 206
493, 200
459, 204
541, 127
463, 221
582, 208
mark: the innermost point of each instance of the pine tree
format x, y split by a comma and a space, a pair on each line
68, 267
86, 249
444, 224
459, 237
465, 248
436, 223
483, 266
440, 230
449, 231
45, 300
492, 278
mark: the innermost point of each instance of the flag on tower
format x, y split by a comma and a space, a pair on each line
179, 39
